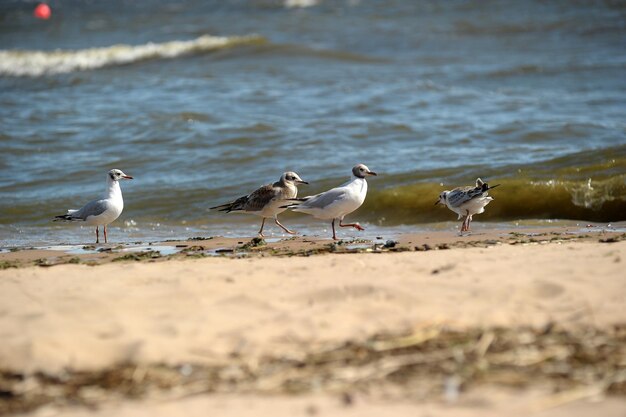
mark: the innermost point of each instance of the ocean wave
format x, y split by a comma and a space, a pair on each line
39, 63
587, 186
534, 69
516, 199
466, 27
302, 4
596, 200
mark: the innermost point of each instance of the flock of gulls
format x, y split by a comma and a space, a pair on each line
270, 200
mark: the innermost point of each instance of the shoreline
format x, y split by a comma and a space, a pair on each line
231, 247
460, 327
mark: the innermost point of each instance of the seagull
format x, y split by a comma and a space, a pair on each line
467, 201
266, 201
338, 202
104, 210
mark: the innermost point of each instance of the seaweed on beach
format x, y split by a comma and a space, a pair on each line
613, 239
255, 242
258, 247
8, 264
426, 362
138, 256
43, 262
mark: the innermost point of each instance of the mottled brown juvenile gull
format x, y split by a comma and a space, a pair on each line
266, 201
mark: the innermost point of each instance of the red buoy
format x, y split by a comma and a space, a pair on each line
42, 11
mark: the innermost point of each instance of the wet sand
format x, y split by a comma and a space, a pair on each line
486, 324
218, 246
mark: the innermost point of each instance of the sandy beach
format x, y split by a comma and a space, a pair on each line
476, 325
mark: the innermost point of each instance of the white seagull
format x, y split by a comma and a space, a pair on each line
266, 201
104, 210
338, 202
467, 201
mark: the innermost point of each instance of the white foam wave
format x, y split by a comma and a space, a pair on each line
290, 4
38, 63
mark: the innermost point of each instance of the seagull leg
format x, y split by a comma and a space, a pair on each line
334, 233
283, 227
261, 230
468, 220
465, 226
97, 235
105, 233
355, 225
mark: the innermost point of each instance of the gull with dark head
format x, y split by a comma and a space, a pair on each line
267, 200
336, 203
104, 210
467, 201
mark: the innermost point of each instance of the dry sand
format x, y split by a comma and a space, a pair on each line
252, 336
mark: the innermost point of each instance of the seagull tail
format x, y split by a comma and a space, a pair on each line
221, 207
486, 187
225, 207
236, 205
296, 203
67, 217
64, 217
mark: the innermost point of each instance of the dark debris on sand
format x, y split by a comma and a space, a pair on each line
419, 362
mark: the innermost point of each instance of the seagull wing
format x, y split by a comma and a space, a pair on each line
261, 197
325, 199
93, 208
462, 195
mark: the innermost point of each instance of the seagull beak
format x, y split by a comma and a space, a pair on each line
127, 177
302, 182
371, 173
437, 202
